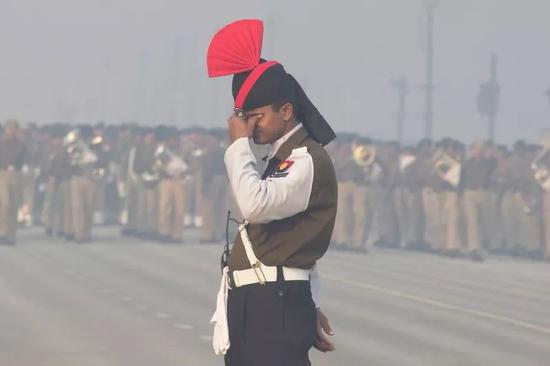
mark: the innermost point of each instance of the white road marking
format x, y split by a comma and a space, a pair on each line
125, 298
108, 291
206, 338
183, 326
163, 315
142, 307
440, 304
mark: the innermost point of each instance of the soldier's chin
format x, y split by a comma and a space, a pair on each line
259, 139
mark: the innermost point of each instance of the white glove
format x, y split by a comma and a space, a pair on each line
220, 340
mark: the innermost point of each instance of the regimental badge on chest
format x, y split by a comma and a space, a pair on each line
282, 169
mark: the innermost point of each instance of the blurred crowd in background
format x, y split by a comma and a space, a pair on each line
445, 197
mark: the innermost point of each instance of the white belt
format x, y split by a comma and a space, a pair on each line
262, 274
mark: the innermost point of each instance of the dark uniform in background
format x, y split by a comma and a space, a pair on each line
144, 167
213, 195
57, 215
476, 178
83, 192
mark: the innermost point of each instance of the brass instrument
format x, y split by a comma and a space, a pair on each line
168, 162
363, 155
447, 167
79, 152
406, 160
541, 169
81, 155
150, 179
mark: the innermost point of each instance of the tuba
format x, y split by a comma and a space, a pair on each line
447, 167
541, 169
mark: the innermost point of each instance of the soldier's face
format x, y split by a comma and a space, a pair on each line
270, 125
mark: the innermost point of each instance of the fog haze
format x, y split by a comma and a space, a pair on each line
136, 60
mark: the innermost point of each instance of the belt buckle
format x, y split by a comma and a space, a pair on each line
259, 273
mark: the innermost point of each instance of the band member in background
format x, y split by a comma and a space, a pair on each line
12, 157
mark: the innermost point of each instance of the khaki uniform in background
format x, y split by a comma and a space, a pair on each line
364, 210
345, 168
365, 204
171, 191
12, 155
171, 208
83, 195
434, 198
454, 243
10, 194
343, 228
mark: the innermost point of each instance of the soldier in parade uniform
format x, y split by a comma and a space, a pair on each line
441, 198
408, 197
30, 171
289, 210
171, 192
128, 182
387, 223
499, 189
345, 169
83, 186
12, 158
369, 172
476, 179
432, 196
144, 166
57, 216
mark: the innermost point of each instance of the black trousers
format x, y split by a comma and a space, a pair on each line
271, 325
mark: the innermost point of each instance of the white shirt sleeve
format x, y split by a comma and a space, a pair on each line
278, 196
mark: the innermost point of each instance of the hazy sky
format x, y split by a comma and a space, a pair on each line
144, 60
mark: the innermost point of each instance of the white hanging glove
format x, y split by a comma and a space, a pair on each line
220, 339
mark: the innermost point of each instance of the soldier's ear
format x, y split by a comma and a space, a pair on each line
287, 111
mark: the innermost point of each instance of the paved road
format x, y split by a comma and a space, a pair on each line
120, 302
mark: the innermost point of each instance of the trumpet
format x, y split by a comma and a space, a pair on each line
447, 167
